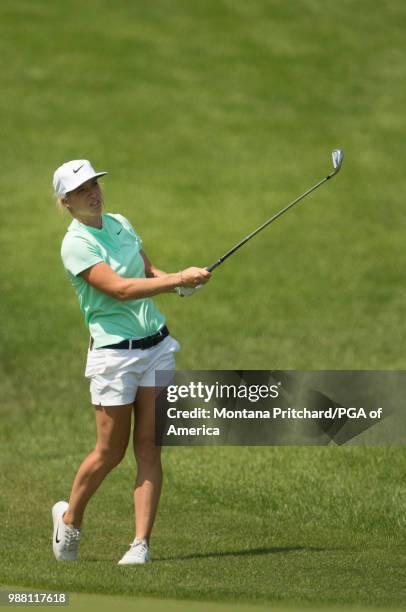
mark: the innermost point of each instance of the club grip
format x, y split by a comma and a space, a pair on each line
213, 266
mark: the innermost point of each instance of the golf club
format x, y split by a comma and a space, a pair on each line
337, 155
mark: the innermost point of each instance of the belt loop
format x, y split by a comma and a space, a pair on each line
130, 344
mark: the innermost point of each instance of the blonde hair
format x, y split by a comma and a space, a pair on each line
59, 204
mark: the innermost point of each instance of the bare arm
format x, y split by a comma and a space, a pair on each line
150, 270
103, 278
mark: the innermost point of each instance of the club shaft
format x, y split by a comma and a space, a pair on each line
271, 220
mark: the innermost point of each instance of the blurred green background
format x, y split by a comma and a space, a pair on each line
210, 116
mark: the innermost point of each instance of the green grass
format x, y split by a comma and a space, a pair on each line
88, 602
301, 525
210, 116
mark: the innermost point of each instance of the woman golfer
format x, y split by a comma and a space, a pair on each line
115, 281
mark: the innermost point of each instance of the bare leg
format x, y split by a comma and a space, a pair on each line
113, 425
148, 456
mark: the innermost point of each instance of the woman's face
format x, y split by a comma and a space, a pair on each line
86, 200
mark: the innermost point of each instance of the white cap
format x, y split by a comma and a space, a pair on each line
72, 174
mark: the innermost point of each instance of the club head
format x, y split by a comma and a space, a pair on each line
338, 156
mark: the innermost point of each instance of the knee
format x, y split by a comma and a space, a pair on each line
110, 457
146, 453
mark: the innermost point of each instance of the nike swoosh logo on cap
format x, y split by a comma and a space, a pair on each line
77, 169
56, 535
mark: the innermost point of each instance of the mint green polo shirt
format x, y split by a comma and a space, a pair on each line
118, 245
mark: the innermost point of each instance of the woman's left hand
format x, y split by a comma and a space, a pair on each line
187, 291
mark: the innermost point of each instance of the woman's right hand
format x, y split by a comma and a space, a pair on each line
192, 277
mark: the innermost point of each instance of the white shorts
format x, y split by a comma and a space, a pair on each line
116, 374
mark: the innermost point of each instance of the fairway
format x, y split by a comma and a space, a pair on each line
85, 602
209, 116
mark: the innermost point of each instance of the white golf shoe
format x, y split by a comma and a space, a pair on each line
65, 540
138, 553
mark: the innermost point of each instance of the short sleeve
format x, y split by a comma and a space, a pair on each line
78, 254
